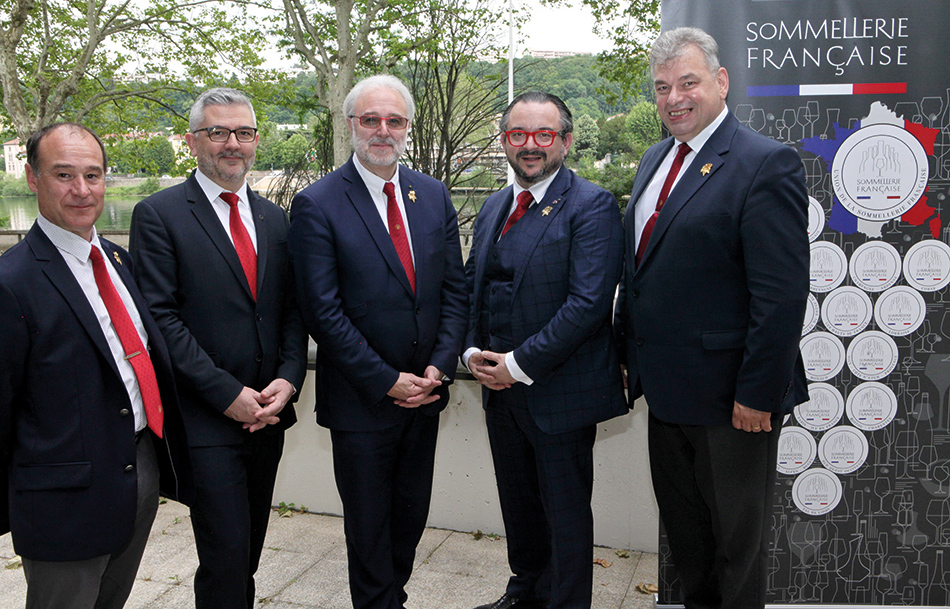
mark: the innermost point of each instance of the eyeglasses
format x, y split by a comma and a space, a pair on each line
543, 138
369, 121
244, 135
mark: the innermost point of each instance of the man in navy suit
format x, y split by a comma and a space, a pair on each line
211, 259
376, 252
544, 267
89, 419
711, 309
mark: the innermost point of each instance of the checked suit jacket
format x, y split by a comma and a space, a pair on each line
571, 254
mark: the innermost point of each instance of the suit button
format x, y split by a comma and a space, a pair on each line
418, 311
639, 341
124, 412
493, 290
636, 293
415, 343
259, 358
260, 317
129, 468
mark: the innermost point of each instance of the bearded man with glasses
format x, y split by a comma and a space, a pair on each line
212, 261
545, 262
376, 252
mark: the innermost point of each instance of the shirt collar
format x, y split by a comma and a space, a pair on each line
67, 242
696, 144
213, 191
373, 182
537, 190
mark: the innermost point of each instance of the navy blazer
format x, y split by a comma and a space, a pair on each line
714, 313
220, 338
570, 262
67, 435
356, 299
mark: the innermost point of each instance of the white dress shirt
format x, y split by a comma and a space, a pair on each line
374, 184
223, 210
646, 204
75, 251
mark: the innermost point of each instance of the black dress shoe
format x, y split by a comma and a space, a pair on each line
509, 602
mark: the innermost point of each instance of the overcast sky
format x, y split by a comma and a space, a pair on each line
559, 29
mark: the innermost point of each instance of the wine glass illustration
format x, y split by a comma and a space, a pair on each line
790, 117
931, 108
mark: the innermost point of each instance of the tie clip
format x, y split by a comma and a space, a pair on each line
131, 355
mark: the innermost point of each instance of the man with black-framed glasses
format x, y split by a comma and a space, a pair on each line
545, 262
376, 253
212, 261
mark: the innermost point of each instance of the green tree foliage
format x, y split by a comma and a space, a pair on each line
586, 133
631, 25
62, 59
153, 156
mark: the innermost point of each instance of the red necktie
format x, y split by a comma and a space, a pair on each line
242, 242
398, 233
524, 202
135, 352
664, 193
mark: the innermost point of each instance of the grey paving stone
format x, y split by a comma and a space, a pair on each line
304, 567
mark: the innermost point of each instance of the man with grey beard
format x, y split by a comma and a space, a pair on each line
375, 248
212, 262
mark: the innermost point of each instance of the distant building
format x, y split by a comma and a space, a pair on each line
550, 54
14, 157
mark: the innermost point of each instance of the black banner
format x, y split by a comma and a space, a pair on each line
861, 89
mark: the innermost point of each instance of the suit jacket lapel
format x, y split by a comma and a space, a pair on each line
554, 201
648, 169
693, 178
208, 219
417, 221
491, 216
363, 202
55, 268
257, 213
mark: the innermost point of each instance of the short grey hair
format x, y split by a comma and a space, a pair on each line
219, 96
673, 44
379, 81
540, 97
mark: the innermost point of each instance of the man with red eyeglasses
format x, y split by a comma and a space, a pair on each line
545, 262
375, 248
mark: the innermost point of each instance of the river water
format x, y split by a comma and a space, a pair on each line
116, 214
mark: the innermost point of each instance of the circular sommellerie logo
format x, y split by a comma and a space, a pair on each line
927, 265
846, 311
900, 310
875, 266
880, 172
843, 449
796, 451
823, 410
872, 355
823, 354
816, 491
871, 406
828, 266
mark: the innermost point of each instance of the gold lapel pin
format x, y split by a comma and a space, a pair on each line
546, 210
116, 256
706, 169
412, 195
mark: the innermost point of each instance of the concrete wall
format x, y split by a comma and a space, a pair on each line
464, 496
